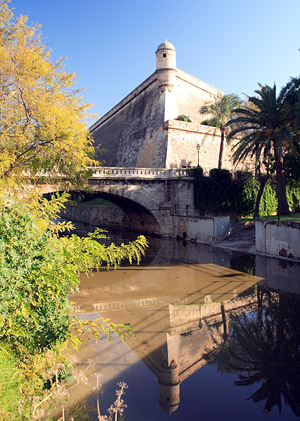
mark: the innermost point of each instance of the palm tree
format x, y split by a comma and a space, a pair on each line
220, 111
265, 128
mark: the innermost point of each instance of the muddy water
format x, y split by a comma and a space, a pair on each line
202, 317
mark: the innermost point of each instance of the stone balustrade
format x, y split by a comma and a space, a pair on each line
142, 173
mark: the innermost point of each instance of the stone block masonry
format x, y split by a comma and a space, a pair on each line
111, 217
142, 130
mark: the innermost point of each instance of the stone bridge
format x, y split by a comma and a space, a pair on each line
157, 201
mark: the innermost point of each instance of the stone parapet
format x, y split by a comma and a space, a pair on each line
140, 173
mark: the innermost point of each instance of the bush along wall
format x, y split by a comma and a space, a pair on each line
221, 194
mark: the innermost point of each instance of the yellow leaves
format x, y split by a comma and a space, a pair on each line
95, 329
44, 122
59, 227
6, 14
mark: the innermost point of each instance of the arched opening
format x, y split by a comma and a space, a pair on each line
138, 218
141, 219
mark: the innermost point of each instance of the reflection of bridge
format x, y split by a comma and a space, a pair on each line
164, 306
158, 201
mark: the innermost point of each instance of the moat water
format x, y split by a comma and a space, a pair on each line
217, 337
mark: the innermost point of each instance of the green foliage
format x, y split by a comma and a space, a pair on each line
293, 196
213, 194
244, 192
219, 194
38, 269
195, 172
268, 126
220, 110
212, 122
292, 168
221, 181
183, 117
9, 386
269, 202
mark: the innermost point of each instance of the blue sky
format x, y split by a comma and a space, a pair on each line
111, 44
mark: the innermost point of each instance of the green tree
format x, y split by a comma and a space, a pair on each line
265, 129
220, 111
43, 120
38, 270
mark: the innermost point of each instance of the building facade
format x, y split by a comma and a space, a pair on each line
143, 130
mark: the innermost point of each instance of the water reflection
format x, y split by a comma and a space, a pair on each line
264, 348
189, 307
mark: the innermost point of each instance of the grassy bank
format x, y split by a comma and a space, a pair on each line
285, 218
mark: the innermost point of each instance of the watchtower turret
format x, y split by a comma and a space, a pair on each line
169, 387
166, 65
165, 56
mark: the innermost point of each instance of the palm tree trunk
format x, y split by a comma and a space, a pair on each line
222, 129
283, 207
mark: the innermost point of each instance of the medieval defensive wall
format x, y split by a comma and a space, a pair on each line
143, 130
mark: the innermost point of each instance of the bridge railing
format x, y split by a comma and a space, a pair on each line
122, 172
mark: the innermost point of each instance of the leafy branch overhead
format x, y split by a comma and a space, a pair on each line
43, 120
38, 270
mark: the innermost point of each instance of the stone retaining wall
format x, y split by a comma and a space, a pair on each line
278, 238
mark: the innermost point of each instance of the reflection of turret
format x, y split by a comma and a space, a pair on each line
176, 323
169, 387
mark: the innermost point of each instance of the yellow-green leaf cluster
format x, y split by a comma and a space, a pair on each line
43, 120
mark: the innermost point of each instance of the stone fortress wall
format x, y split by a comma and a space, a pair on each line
142, 130
130, 131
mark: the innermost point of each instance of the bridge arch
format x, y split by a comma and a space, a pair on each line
141, 219
155, 201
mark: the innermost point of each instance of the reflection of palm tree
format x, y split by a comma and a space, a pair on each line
266, 351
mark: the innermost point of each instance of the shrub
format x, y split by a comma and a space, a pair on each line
269, 202
183, 117
219, 194
293, 196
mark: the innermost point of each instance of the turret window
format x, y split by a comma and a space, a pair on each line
164, 55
